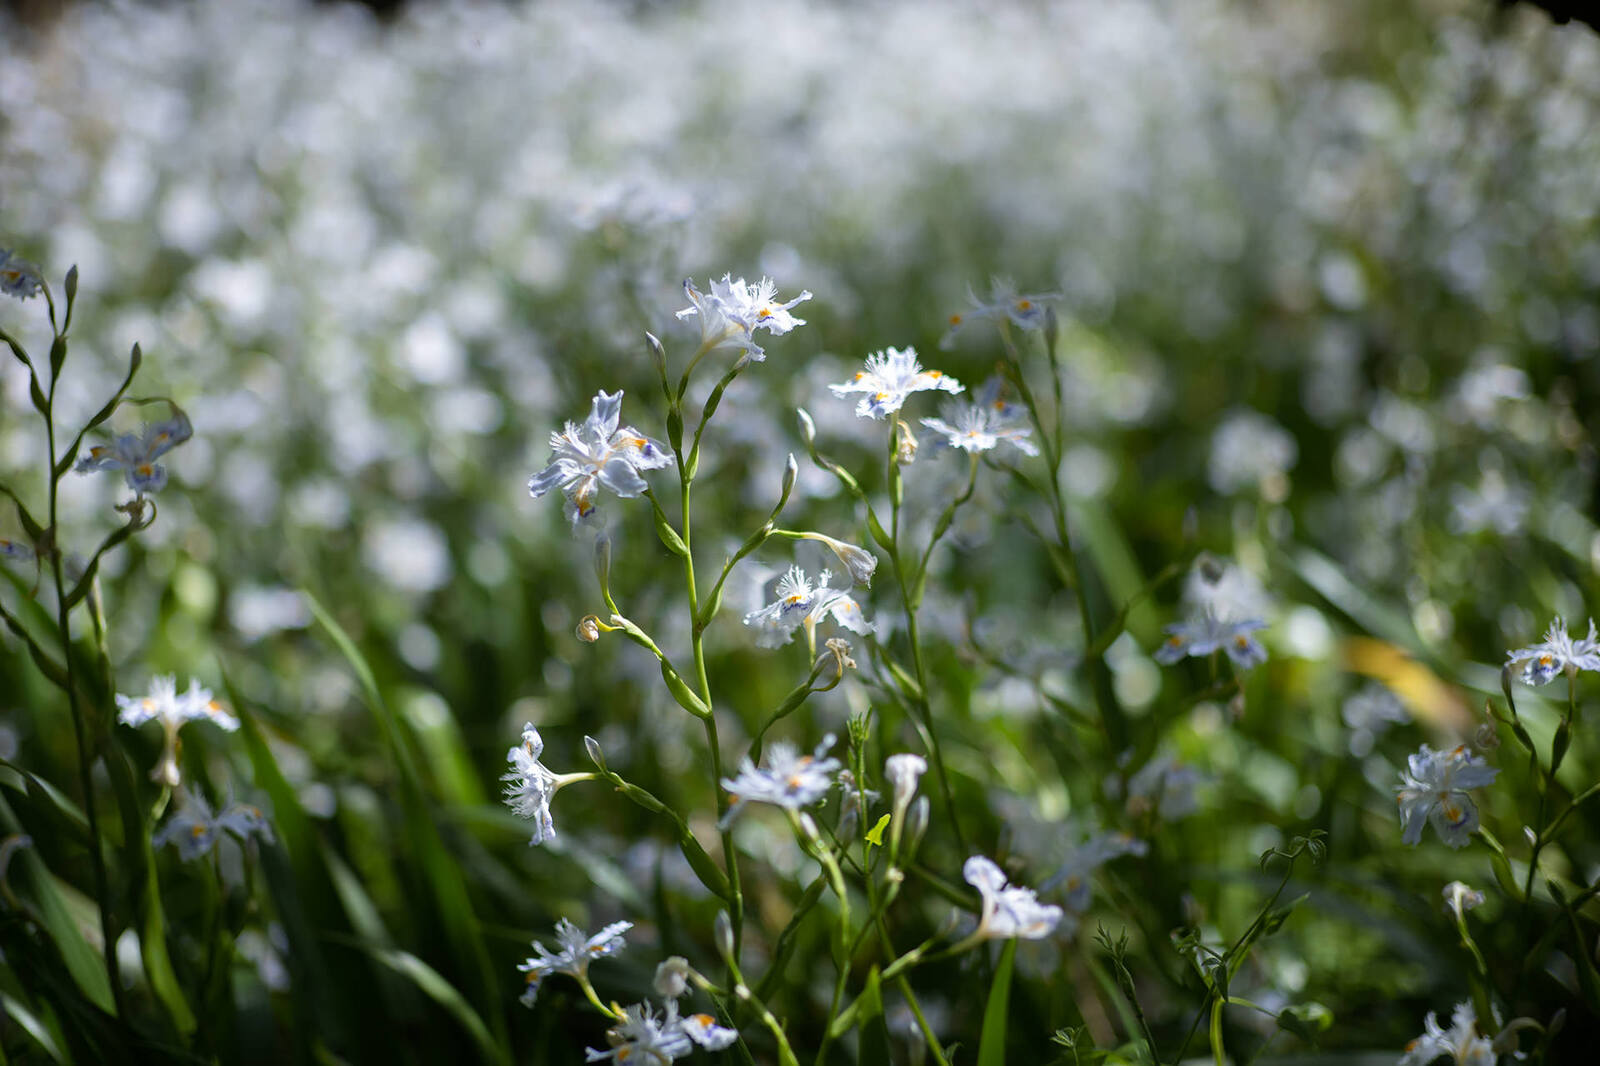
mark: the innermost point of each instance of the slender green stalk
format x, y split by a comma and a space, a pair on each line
85, 743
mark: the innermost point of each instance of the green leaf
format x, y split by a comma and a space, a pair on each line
451, 902
875, 834
992, 1041
1305, 1020
145, 887
442, 992
873, 1034
30, 1024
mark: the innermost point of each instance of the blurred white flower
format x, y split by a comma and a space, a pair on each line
576, 951
890, 376
789, 780
1461, 1044
1461, 897
982, 423
733, 311
1026, 311
1250, 451
1009, 911
1207, 634
672, 977
598, 453
1434, 787
136, 454
18, 277
858, 562
194, 829
16, 551
1555, 654
1073, 874
1368, 713
904, 771
173, 710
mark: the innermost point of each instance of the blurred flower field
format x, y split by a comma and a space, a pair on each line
1093, 565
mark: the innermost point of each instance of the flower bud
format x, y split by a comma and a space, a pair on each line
1486, 737
808, 428
722, 930
672, 977
791, 472
916, 823
904, 771
596, 756
858, 562
589, 629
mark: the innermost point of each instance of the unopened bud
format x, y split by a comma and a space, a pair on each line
722, 930
808, 428
858, 562
589, 629
1486, 738
672, 977
596, 756
791, 472
917, 822
658, 354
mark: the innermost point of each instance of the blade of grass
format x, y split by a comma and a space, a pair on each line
992, 1040
452, 903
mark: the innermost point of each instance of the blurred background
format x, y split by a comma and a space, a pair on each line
1328, 275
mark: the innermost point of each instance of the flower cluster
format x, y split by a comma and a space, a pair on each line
732, 312
598, 453
1434, 787
789, 780
890, 376
173, 710
135, 454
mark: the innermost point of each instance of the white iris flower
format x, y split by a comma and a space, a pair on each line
732, 312
982, 423
1009, 911
1207, 634
789, 780
577, 950
194, 829
1557, 653
598, 453
136, 454
800, 603
642, 1035
1434, 787
890, 376
173, 710
1461, 1044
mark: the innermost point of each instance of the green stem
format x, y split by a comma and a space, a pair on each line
102, 887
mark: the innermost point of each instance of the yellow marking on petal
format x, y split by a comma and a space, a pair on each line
1024, 305
703, 1019
955, 320
198, 831
1241, 641
1175, 641
765, 312
936, 373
